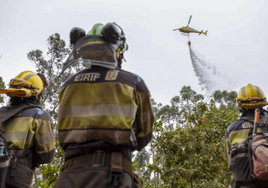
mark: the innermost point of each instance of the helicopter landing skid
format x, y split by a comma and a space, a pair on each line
185, 34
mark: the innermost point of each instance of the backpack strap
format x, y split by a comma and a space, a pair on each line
4, 159
264, 130
116, 170
14, 160
265, 136
250, 159
10, 111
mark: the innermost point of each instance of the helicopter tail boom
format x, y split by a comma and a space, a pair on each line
205, 33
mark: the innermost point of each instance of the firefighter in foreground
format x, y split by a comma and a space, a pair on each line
27, 129
249, 98
104, 114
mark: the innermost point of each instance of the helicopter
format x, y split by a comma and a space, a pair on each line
188, 29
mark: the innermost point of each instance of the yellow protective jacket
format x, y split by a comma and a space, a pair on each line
29, 132
104, 109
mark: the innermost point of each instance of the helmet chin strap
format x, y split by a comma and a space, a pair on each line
120, 60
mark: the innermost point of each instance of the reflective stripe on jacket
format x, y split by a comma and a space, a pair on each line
102, 104
30, 130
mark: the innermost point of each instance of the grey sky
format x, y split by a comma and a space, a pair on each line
236, 45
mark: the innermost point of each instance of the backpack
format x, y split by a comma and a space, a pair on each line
258, 158
249, 161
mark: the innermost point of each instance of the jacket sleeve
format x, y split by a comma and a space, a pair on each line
227, 147
144, 117
44, 139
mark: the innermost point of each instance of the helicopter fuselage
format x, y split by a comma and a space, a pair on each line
190, 30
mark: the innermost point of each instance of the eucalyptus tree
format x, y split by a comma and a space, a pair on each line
187, 145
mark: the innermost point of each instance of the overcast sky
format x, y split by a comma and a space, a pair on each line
236, 46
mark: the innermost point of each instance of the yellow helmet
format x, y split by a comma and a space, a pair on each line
251, 97
26, 84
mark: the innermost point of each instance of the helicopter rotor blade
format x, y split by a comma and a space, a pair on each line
189, 20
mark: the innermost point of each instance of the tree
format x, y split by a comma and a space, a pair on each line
50, 65
191, 153
226, 99
2, 86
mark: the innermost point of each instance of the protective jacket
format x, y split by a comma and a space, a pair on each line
30, 140
236, 149
104, 115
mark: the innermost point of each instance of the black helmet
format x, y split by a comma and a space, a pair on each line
75, 34
111, 31
116, 36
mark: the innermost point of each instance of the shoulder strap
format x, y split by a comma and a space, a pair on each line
8, 112
250, 160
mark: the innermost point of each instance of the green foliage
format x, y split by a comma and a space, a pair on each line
193, 153
226, 99
189, 153
50, 172
2, 86
189, 95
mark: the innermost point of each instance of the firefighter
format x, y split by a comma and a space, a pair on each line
104, 115
249, 98
27, 129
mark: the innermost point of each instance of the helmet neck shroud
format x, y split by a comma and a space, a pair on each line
93, 50
246, 112
18, 100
